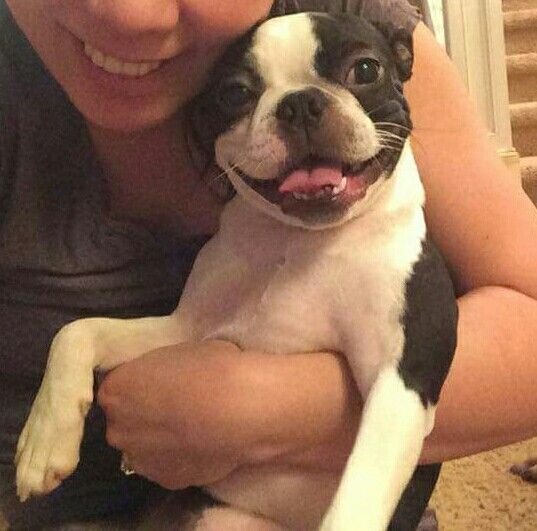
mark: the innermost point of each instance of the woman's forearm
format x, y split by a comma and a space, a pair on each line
489, 399
305, 409
490, 396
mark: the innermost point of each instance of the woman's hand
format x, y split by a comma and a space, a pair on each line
191, 414
169, 413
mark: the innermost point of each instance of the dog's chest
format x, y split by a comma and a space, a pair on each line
264, 285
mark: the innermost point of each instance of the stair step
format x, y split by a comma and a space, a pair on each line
522, 64
516, 5
528, 169
524, 115
525, 141
524, 126
521, 31
522, 19
522, 77
520, 23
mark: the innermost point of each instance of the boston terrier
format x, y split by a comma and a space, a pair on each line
323, 248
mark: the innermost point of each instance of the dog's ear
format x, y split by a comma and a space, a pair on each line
403, 50
401, 43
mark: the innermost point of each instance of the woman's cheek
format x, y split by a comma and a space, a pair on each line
224, 20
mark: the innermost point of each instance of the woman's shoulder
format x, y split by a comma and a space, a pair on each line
397, 12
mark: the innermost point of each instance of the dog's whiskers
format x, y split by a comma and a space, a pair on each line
390, 134
391, 140
394, 124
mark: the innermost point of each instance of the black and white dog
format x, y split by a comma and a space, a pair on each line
324, 247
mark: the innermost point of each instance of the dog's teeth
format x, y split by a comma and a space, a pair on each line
340, 187
325, 191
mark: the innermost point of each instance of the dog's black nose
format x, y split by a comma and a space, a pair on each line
301, 109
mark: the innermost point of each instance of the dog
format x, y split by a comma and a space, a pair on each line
323, 248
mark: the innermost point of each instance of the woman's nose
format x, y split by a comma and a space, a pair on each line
135, 17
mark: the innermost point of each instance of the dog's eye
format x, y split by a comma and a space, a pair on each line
235, 95
364, 72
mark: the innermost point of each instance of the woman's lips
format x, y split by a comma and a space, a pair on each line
127, 79
114, 65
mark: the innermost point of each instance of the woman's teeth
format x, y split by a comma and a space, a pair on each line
115, 66
331, 192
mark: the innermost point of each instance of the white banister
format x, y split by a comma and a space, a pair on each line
475, 42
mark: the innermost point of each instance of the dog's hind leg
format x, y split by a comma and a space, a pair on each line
415, 498
48, 447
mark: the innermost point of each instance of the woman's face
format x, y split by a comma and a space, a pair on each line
130, 64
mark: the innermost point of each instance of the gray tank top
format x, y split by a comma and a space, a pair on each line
61, 256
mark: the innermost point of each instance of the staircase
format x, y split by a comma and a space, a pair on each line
521, 45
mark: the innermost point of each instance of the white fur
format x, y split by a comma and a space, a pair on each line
285, 50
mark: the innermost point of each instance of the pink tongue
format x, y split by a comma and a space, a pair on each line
310, 181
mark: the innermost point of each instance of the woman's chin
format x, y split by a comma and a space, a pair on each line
128, 116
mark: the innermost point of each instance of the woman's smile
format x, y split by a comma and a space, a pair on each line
138, 75
114, 65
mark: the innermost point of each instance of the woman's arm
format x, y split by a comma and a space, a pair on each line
486, 228
477, 212
303, 409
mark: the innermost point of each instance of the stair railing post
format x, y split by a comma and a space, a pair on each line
476, 43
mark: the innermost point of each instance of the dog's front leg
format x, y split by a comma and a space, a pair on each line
384, 457
48, 447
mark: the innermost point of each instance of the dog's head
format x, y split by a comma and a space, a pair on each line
307, 115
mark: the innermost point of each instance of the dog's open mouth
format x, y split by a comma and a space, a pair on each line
317, 184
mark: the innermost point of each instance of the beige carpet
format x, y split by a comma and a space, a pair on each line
479, 493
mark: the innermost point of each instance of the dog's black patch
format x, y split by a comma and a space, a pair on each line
347, 38
430, 326
209, 117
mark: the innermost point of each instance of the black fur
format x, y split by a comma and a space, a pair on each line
208, 118
345, 38
430, 326
414, 500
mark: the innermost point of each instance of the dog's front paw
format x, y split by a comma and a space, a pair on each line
48, 447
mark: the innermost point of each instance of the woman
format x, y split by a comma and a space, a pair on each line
103, 209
